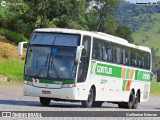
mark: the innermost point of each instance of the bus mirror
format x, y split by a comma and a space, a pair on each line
158, 76
78, 53
20, 48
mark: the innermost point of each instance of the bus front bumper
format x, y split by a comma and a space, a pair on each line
60, 93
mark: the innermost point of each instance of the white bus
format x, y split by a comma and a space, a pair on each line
88, 67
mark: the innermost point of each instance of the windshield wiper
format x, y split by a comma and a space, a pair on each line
53, 66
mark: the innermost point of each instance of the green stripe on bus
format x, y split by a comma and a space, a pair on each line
136, 74
116, 71
27, 78
50, 81
143, 76
127, 73
124, 85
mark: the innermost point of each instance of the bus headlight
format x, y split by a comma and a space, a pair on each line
28, 82
68, 85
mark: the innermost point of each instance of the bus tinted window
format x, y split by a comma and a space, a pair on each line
119, 54
85, 58
97, 49
107, 52
55, 39
146, 61
126, 56
102, 50
133, 58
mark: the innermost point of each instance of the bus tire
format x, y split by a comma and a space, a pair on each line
135, 102
129, 104
97, 103
89, 102
45, 101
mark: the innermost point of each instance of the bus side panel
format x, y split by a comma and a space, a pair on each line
108, 89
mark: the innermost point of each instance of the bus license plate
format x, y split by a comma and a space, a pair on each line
46, 92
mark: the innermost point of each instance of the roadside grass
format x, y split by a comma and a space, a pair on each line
155, 87
13, 69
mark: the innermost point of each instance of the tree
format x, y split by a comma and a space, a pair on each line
72, 14
124, 32
101, 17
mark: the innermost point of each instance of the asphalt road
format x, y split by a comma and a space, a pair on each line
12, 99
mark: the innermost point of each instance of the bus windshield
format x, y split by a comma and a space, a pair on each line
52, 55
51, 62
58, 39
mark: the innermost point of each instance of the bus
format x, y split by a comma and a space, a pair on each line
86, 66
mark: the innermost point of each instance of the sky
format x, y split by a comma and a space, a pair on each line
134, 1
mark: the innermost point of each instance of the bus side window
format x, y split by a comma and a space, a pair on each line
125, 57
109, 53
133, 58
104, 53
95, 53
114, 55
119, 55
97, 49
100, 51
146, 61
139, 60
142, 61
85, 57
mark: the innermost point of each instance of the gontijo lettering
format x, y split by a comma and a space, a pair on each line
105, 70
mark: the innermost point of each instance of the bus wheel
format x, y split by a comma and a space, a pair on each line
130, 102
135, 102
97, 103
45, 101
89, 102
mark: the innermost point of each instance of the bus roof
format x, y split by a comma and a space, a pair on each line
100, 35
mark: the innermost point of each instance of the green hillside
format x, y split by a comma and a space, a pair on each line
149, 31
144, 22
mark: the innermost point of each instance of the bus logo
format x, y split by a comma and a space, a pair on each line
104, 70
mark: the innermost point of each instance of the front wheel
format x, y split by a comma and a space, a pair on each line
89, 102
45, 101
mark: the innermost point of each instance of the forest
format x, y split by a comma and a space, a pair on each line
18, 18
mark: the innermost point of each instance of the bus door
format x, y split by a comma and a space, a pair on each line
85, 58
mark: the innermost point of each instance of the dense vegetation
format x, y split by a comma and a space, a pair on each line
77, 14
116, 17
